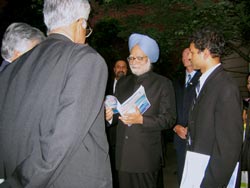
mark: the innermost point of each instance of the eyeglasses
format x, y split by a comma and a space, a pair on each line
89, 31
138, 58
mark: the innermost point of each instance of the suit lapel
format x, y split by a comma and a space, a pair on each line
208, 81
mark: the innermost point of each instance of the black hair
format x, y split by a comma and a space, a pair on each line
209, 38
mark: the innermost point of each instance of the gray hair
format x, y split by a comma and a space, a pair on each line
58, 13
18, 37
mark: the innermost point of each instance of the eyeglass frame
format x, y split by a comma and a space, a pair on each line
88, 29
138, 58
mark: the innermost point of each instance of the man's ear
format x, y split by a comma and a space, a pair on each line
16, 54
206, 53
84, 23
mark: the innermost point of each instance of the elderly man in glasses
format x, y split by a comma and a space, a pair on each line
52, 125
138, 141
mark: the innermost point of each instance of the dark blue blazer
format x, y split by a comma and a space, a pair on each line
184, 97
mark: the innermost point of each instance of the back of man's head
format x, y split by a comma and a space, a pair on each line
59, 13
19, 37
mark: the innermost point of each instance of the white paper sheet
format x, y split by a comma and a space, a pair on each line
194, 170
138, 99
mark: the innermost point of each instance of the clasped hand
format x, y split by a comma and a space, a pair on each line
181, 131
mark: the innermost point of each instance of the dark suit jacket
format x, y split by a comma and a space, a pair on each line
215, 125
246, 151
138, 147
110, 85
184, 98
52, 130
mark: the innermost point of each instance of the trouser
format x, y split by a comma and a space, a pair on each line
180, 147
138, 180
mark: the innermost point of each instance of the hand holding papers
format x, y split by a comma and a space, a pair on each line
138, 99
131, 118
136, 104
111, 102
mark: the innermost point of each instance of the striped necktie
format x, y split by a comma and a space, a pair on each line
188, 79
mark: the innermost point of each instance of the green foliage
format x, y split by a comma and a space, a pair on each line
105, 39
243, 11
228, 17
126, 2
170, 22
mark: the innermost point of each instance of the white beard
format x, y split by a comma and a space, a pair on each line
140, 69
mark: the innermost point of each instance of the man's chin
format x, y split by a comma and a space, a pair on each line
120, 74
137, 72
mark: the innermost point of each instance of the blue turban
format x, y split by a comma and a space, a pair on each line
147, 45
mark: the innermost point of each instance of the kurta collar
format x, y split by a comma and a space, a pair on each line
143, 76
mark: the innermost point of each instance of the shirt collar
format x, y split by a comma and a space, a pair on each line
206, 74
191, 73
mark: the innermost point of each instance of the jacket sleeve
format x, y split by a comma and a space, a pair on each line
166, 116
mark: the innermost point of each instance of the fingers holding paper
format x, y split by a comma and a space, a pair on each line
132, 117
108, 113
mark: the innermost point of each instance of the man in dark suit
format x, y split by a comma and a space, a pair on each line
184, 95
52, 128
215, 121
17, 40
138, 141
120, 69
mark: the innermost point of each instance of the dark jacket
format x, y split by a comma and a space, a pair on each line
184, 97
52, 118
138, 147
215, 125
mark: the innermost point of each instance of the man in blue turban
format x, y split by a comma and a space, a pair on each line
147, 45
138, 141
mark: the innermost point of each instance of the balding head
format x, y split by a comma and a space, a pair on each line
185, 58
